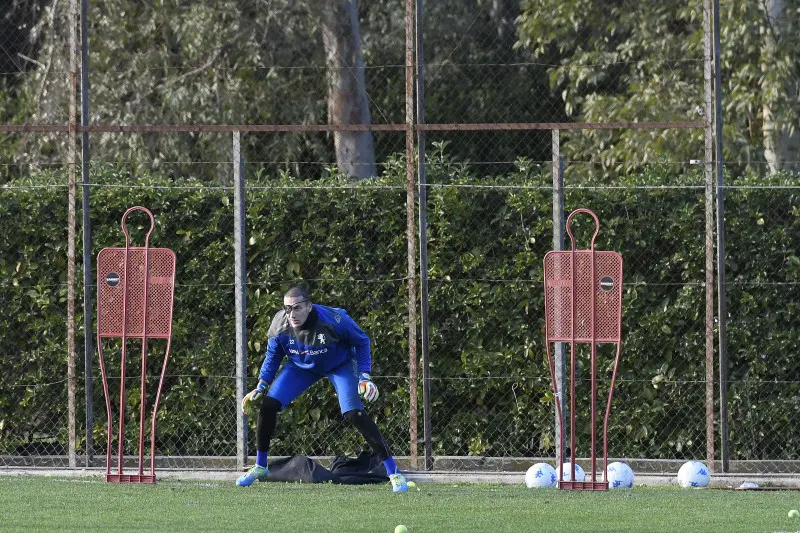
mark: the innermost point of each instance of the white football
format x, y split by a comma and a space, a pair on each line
541, 476
693, 474
580, 475
619, 476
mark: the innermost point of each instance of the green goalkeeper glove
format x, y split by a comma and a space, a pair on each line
253, 398
366, 388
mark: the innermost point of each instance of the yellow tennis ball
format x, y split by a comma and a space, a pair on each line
401, 529
411, 484
794, 513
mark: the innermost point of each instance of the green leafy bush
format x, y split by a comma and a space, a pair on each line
491, 389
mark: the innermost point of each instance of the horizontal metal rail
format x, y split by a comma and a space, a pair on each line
315, 128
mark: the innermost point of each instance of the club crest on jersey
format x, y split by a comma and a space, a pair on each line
321, 338
338, 318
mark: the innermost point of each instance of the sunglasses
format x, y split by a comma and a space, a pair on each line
288, 309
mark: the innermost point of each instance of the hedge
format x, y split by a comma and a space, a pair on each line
491, 390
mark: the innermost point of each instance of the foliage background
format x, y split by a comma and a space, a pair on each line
217, 62
491, 392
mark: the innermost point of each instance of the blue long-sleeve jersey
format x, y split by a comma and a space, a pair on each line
327, 339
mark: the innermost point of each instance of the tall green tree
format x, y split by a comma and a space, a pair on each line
347, 95
631, 61
33, 89
780, 70
254, 62
208, 62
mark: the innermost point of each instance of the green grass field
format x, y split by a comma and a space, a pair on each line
89, 504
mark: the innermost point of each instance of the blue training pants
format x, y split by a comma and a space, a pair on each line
292, 381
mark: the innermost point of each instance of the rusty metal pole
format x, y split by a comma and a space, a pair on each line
560, 348
87, 234
708, 173
72, 141
411, 236
721, 290
423, 242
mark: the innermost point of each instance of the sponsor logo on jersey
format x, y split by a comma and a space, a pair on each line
307, 352
321, 338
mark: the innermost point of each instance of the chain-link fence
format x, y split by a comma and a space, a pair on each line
345, 116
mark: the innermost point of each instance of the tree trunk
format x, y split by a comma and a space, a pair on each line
347, 94
503, 14
781, 140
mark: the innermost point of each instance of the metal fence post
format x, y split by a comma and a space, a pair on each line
87, 233
72, 383
721, 313
423, 242
708, 173
411, 234
558, 244
241, 298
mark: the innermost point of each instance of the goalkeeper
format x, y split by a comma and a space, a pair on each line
319, 341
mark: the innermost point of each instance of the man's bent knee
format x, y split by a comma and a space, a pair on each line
270, 405
351, 415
